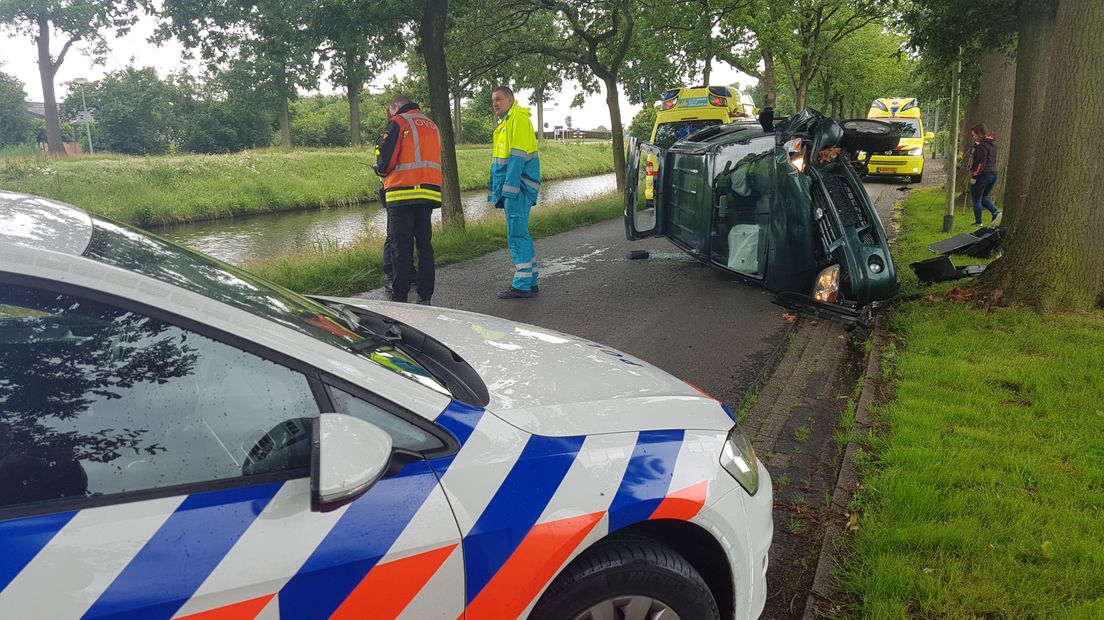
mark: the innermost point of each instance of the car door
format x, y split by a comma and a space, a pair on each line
151, 468
742, 190
644, 206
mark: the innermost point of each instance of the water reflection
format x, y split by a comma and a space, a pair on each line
260, 237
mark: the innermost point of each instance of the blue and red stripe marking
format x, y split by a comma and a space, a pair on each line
516, 506
22, 539
358, 540
182, 553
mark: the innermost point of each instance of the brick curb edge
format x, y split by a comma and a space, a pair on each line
848, 480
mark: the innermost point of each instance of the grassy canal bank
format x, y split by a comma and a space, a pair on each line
154, 191
983, 489
359, 267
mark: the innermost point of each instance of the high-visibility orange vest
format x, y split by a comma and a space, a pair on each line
417, 173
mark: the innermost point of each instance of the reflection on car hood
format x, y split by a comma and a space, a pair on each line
550, 383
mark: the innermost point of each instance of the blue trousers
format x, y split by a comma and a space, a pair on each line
522, 251
979, 191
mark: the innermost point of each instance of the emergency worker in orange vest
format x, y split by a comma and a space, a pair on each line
409, 162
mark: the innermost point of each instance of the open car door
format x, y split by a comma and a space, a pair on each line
643, 195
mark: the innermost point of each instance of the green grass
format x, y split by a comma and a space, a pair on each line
983, 497
359, 267
153, 191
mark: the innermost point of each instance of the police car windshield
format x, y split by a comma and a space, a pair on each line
669, 133
152, 256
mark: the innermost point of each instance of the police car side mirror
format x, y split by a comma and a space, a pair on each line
348, 456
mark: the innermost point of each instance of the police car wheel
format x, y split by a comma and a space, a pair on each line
632, 577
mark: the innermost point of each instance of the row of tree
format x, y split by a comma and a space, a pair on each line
638, 48
1033, 71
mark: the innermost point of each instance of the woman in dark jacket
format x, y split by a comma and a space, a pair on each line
983, 172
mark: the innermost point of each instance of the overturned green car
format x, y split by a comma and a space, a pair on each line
778, 203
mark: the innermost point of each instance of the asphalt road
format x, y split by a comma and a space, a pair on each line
693, 321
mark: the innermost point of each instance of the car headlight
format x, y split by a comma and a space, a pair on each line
738, 459
916, 152
826, 288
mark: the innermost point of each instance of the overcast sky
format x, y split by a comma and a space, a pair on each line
18, 57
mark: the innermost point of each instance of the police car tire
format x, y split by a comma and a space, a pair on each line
626, 566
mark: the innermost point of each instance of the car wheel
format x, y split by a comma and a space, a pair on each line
869, 135
630, 579
916, 178
638, 254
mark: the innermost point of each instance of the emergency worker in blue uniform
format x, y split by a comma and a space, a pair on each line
515, 185
409, 161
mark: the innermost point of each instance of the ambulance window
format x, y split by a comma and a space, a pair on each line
669, 133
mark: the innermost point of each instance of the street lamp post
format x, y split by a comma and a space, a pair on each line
87, 119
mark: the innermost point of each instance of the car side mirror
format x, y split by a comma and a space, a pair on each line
349, 455
929, 136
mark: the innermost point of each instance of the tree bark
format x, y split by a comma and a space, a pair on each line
432, 35
770, 86
47, 69
352, 90
995, 99
1061, 263
1036, 21
457, 122
285, 114
540, 116
612, 101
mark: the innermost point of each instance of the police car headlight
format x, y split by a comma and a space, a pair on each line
738, 459
916, 152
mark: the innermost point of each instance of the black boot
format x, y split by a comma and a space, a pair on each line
514, 293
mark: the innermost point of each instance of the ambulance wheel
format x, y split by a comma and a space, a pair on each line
628, 578
638, 254
916, 178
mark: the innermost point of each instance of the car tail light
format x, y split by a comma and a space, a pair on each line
718, 101
667, 105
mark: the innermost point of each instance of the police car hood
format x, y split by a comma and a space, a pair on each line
550, 383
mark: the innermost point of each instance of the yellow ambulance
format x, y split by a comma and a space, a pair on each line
907, 158
685, 111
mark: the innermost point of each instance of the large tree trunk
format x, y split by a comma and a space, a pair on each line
432, 34
707, 70
352, 90
1036, 31
770, 86
618, 131
285, 114
995, 99
457, 123
540, 116
46, 71
1061, 263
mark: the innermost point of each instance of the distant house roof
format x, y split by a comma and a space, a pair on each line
36, 109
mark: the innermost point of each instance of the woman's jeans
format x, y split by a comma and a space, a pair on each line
979, 191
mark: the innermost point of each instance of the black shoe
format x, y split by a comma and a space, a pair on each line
424, 302
514, 293
994, 216
979, 224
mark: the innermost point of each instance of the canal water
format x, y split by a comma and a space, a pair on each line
259, 237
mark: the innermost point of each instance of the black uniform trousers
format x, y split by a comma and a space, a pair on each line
410, 227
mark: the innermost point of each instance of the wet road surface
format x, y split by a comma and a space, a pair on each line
699, 324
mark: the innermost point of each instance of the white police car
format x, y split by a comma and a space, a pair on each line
179, 438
